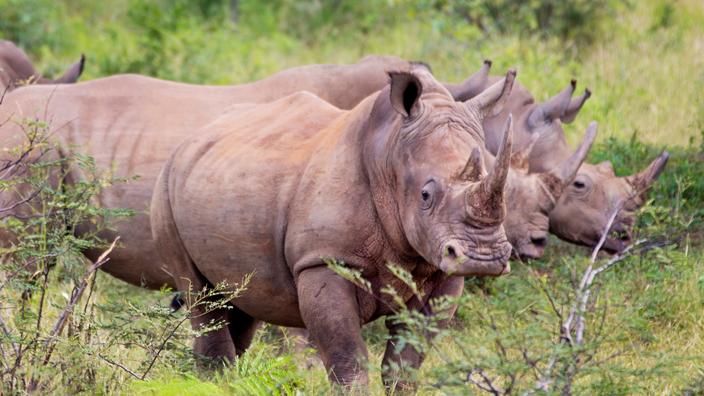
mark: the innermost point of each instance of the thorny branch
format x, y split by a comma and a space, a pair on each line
76, 295
574, 326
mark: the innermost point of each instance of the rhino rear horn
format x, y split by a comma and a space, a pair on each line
73, 73
474, 168
575, 106
553, 108
491, 101
558, 179
490, 195
520, 159
473, 85
642, 180
568, 169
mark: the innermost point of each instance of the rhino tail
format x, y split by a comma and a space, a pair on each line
168, 242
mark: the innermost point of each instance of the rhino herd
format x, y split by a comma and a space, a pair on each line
370, 163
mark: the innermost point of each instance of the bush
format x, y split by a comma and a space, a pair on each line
575, 20
54, 335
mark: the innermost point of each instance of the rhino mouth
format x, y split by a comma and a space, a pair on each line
530, 249
619, 238
474, 260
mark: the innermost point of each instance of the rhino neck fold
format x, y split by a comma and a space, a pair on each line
375, 142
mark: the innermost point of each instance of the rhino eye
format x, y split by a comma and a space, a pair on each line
427, 195
578, 184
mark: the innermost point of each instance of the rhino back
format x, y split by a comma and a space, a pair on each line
129, 124
344, 86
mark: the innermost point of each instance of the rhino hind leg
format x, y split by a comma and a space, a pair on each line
328, 305
214, 347
242, 328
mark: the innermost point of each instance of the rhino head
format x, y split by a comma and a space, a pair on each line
582, 213
532, 196
450, 206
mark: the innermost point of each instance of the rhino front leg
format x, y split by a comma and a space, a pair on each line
328, 305
396, 364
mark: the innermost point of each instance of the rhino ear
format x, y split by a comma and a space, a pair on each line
553, 108
606, 167
73, 73
574, 107
558, 179
405, 92
492, 100
520, 159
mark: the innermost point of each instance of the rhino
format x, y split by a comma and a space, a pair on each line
16, 69
273, 192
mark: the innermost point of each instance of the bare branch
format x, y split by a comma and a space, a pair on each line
486, 383
162, 346
118, 365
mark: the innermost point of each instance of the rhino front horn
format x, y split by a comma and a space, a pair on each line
643, 180
490, 195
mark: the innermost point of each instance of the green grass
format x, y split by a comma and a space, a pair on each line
646, 70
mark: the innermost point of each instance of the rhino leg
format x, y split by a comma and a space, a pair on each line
328, 305
214, 347
242, 328
396, 363
224, 344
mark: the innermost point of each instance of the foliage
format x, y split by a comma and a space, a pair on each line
569, 20
52, 337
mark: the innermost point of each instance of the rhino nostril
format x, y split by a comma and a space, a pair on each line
451, 252
539, 241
